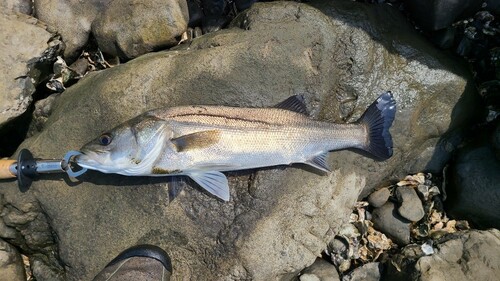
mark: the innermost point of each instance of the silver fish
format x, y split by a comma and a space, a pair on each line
203, 141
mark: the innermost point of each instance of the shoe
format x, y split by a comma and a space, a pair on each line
142, 262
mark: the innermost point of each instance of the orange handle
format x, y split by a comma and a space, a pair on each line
5, 165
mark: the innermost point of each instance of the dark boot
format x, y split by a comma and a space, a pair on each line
143, 262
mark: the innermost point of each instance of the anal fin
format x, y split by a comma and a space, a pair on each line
319, 162
212, 181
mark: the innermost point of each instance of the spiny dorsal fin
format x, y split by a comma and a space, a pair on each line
196, 140
294, 103
319, 162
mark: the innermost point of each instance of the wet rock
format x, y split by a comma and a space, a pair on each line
367, 272
439, 14
379, 197
472, 190
16, 6
470, 255
387, 220
411, 207
320, 270
286, 215
243, 4
11, 263
129, 28
72, 19
26, 45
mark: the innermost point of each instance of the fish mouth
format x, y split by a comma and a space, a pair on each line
87, 159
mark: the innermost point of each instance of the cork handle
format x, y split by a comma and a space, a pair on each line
5, 165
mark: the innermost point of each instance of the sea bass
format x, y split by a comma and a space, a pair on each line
202, 141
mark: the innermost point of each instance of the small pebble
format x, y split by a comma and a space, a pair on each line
320, 270
367, 272
379, 197
387, 220
411, 207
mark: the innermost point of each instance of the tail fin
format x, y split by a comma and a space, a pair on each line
378, 119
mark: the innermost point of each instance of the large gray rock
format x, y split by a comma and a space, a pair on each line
71, 18
338, 59
473, 189
472, 255
131, 28
24, 45
123, 28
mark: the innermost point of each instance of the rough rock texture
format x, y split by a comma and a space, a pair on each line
471, 255
387, 220
24, 44
71, 18
271, 51
132, 28
11, 263
320, 270
473, 189
411, 207
16, 6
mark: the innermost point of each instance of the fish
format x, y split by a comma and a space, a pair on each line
201, 141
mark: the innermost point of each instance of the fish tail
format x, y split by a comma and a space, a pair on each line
378, 119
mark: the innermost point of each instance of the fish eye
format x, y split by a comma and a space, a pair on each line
105, 139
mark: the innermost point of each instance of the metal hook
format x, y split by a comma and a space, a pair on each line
67, 167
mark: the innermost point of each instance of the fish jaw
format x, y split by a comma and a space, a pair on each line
101, 162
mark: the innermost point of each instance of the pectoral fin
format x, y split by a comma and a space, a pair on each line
196, 140
212, 181
319, 162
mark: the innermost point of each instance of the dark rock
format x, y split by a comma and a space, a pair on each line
473, 190
129, 28
490, 91
470, 255
320, 270
411, 207
16, 6
387, 220
213, 23
439, 14
285, 215
493, 6
213, 8
11, 263
379, 197
195, 13
243, 4
444, 38
28, 42
367, 272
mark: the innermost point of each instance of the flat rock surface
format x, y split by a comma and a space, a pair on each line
271, 51
471, 255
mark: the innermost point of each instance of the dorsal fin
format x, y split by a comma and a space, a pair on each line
294, 103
